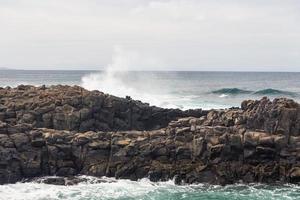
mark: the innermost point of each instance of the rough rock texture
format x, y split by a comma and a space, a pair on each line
259, 142
74, 108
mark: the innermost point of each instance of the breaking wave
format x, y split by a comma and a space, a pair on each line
172, 90
112, 189
118, 79
115, 80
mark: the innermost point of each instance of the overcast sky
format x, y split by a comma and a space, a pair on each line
241, 35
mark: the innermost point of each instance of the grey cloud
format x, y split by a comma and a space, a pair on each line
182, 35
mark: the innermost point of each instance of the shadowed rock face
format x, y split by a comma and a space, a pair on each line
258, 143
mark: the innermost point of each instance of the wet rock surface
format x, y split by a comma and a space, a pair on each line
66, 131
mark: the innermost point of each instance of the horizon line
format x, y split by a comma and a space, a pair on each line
146, 70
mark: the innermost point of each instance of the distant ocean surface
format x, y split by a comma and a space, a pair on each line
166, 89
182, 90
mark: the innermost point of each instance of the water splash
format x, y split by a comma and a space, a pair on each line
117, 81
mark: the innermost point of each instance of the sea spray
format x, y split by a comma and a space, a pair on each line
117, 80
183, 90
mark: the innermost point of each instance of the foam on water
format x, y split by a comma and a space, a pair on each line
145, 190
184, 90
223, 95
118, 80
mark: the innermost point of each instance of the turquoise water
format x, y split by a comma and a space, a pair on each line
170, 89
145, 190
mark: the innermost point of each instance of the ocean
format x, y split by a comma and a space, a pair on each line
184, 90
169, 89
112, 189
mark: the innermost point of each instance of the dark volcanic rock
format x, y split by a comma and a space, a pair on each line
74, 108
66, 131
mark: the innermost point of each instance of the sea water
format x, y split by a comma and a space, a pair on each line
111, 189
182, 90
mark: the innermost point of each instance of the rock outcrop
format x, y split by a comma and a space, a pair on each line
46, 131
74, 108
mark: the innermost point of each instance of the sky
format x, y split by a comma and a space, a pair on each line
210, 35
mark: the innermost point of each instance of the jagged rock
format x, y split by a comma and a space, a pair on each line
65, 131
74, 108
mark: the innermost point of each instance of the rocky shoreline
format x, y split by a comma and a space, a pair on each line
67, 130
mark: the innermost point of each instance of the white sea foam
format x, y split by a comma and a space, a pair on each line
109, 188
223, 95
115, 80
112, 189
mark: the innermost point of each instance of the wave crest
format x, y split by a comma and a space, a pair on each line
231, 91
269, 92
